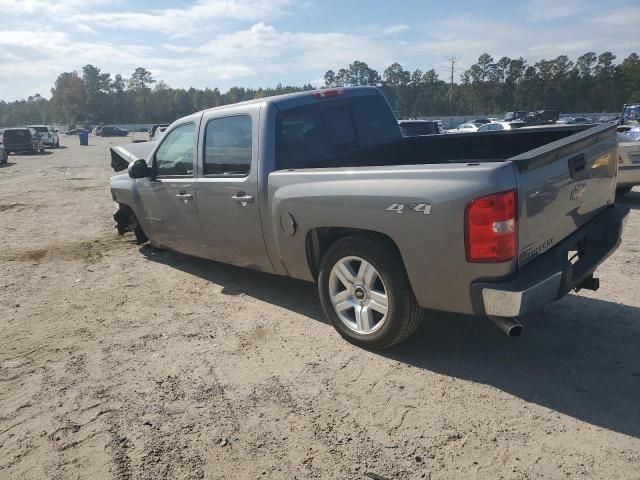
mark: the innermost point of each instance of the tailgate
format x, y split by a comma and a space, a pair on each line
563, 185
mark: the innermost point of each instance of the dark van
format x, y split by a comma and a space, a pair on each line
22, 139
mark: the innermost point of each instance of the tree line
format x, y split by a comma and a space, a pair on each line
591, 83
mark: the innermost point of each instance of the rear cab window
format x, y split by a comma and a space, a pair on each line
309, 136
228, 146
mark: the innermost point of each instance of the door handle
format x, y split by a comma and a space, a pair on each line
242, 198
184, 196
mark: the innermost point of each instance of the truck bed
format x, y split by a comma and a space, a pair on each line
459, 148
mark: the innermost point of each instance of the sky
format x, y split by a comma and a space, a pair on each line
253, 43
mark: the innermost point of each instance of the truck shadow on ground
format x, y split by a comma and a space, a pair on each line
8, 164
631, 200
579, 357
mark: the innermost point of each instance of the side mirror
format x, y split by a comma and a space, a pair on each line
139, 169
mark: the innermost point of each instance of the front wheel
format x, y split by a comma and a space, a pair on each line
365, 293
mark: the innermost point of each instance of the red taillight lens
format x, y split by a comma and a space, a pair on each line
335, 92
490, 228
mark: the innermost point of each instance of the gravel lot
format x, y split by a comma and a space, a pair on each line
120, 362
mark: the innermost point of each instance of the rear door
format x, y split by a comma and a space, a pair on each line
563, 185
227, 190
168, 200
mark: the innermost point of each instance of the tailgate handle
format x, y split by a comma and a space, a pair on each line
577, 164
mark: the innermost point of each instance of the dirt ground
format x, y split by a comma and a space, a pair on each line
119, 362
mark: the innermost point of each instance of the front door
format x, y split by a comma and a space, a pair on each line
169, 198
227, 191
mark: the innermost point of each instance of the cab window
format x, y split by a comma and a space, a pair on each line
176, 152
227, 146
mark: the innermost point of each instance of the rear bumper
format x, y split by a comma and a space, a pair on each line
628, 176
552, 275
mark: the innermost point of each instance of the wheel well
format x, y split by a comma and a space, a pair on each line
320, 239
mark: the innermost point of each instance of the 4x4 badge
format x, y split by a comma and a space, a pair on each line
424, 208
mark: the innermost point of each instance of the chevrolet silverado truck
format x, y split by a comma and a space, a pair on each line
322, 186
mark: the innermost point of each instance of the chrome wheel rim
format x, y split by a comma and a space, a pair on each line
358, 295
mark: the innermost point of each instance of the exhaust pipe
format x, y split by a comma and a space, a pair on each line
510, 326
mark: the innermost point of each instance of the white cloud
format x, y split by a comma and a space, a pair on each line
175, 21
52, 9
264, 44
622, 18
82, 28
546, 10
393, 29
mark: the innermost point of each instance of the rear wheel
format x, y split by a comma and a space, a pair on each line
366, 294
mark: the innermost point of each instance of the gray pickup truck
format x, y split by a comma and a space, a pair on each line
321, 186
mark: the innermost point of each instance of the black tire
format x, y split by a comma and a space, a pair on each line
623, 190
404, 314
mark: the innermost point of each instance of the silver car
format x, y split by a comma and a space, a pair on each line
48, 134
628, 163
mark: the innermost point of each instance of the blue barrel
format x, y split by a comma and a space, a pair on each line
84, 138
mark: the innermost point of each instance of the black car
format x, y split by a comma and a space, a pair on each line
110, 131
152, 132
21, 139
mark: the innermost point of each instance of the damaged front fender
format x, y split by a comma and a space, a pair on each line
126, 221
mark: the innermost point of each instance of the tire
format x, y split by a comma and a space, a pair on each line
369, 329
623, 190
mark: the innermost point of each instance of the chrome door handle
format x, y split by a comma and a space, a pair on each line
242, 198
184, 196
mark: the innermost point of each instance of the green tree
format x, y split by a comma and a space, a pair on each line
69, 96
139, 85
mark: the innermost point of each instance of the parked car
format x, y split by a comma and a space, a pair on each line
480, 121
159, 131
494, 127
574, 121
633, 133
152, 132
4, 157
629, 163
75, 131
22, 139
49, 135
110, 131
464, 128
630, 116
414, 128
321, 186
609, 119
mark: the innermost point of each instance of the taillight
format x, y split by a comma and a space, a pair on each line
334, 92
490, 228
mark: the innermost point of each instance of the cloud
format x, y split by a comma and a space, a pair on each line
55, 9
264, 44
620, 18
82, 28
547, 10
393, 29
175, 21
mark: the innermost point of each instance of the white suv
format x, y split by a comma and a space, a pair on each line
49, 135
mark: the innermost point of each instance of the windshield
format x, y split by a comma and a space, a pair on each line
40, 129
631, 115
